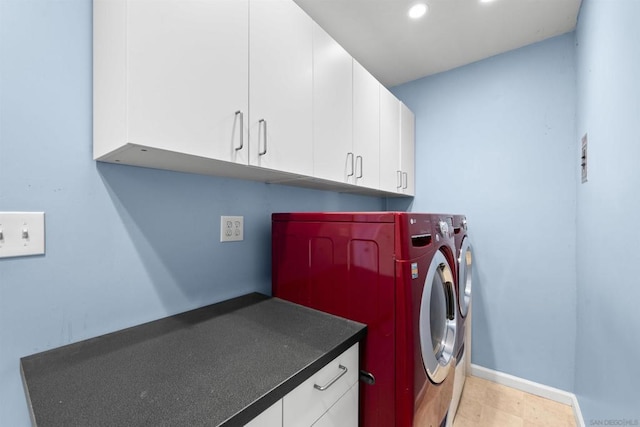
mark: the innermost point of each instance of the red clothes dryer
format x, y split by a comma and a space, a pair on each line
463, 266
446, 234
393, 272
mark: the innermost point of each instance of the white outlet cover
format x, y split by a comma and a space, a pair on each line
21, 234
231, 228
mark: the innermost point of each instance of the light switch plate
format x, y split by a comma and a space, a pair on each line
231, 228
583, 158
21, 234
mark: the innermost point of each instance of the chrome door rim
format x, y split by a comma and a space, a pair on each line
465, 269
437, 357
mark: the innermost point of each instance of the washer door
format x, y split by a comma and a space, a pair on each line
465, 264
438, 319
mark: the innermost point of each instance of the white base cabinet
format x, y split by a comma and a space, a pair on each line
344, 413
313, 398
327, 398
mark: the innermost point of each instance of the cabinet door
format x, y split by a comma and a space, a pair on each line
407, 150
344, 413
187, 64
390, 170
366, 127
333, 156
280, 75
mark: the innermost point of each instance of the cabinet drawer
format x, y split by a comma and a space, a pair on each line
344, 413
304, 405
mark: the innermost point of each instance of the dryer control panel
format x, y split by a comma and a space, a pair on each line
444, 228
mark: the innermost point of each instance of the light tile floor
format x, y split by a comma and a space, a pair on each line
487, 404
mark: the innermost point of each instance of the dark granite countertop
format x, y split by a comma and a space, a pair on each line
218, 365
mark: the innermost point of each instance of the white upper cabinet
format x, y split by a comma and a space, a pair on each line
407, 150
397, 146
366, 127
280, 86
390, 170
172, 75
250, 89
333, 157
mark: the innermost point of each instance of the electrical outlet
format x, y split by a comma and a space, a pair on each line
21, 234
231, 228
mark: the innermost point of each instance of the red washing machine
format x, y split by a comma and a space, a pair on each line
463, 265
393, 272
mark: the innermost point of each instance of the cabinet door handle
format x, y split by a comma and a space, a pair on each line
405, 180
343, 370
263, 123
350, 154
399, 180
239, 113
359, 157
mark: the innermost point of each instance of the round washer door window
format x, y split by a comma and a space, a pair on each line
465, 264
438, 319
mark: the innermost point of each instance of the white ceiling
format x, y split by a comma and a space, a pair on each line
396, 49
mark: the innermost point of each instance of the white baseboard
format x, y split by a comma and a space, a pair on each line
577, 413
531, 387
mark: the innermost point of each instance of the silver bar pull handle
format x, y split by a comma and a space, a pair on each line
353, 171
399, 180
343, 370
405, 180
239, 113
263, 123
359, 157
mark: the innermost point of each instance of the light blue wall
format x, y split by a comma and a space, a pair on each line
608, 109
127, 245
124, 245
495, 140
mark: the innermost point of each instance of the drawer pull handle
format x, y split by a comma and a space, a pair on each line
324, 387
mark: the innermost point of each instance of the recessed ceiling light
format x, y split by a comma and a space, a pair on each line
486, 1
417, 10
